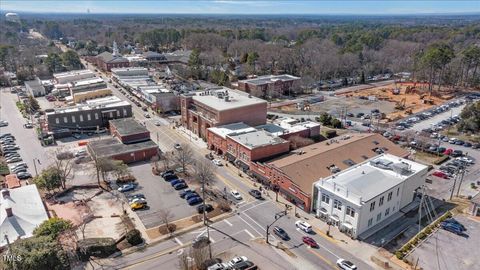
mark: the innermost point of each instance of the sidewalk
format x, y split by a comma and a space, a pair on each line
191, 137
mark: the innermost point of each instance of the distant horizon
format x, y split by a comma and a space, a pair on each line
246, 7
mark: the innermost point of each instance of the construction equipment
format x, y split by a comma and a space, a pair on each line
411, 89
400, 105
396, 91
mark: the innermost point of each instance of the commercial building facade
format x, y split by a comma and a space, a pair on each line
35, 88
72, 76
269, 85
95, 114
295, 173
216, 107
366, 197
106, 61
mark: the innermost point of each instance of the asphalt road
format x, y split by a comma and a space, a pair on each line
30, 147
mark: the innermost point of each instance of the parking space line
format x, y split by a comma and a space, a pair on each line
228, 222
178, 241
249, 233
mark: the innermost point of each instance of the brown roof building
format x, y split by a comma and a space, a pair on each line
269, 85
295, 173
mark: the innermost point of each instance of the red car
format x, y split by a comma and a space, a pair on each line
440, 174
448, 152
309, 242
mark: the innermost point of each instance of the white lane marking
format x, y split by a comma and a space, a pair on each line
178, 241
250, 225
228, 222
245, 214
255, 206
249, 233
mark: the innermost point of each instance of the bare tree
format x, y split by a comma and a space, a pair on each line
184, 261
184, 156
104, 166
63, 163
167, 160
298, 142
200, 256
205, 171
166, 217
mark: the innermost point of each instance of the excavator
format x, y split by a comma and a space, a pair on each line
400, 105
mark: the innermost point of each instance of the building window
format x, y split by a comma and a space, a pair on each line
81, 118
350, 211
372, 206
57, 120
65, 119
337, 204
393, 209
387, 212
124, 113
380, 203
89, 117
379, 217
325, 199
118, 113
398, 191
96, 116
73, 118
370, 221
389, 198
111, 114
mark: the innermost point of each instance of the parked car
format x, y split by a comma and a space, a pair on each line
162, 174
180, 185
454, 221
236, 194
191, 195
146, 115
457, 153
465, 159
15, 159
126, 187
170, 177
309, 242
245, 265
440, 174
207, 208
81, 153
28, 125
184, 192
194, 201
217, 162
448, 152
23, 175
281, 233
176, 181
346, 265
135, 196
255, 193
467, 144
137, 206
177, 146
304, 226
451, 228
236, 260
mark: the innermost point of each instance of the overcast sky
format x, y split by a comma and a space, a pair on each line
246, 6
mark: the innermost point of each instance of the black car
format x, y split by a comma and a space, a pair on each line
281, 233
476, 146
181, 185
459, 142
467, 144
243, 265
255, 193
185, 192
162, 174
457, 153
170, 177
208, 208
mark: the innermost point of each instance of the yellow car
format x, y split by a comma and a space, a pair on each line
137, 205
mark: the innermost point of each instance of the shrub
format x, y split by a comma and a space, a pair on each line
330, 134
98, 247
52, 227
422, 235
414, 241
134, 237
428, 230
407, 247
440, 160
399, 255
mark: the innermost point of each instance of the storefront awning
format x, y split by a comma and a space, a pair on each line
347, 225
334, 218
323, 211
242, 164
230, 157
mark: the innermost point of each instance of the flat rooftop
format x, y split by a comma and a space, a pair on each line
231, 129
226, 99
286, 126
88, 107
366, 180
88, 81
73, 73
104, 100
270, 78
256, 139
308, 164
128, 126
114, 70
111, 146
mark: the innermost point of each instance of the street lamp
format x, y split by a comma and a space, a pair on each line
278, 216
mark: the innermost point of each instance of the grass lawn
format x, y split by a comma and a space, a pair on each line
453, 132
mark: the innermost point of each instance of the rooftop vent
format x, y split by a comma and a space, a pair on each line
402, 168
382, 164
333, 168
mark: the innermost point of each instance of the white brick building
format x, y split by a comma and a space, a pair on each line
367, 194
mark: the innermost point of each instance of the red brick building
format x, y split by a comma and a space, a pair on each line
269, 85
294, 174
217, 107
130, 143
106, 61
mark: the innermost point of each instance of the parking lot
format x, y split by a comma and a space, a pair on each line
446, 250
159, 195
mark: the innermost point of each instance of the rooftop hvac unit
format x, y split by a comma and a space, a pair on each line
402, 168
382, 164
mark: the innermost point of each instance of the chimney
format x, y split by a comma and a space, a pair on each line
9, 211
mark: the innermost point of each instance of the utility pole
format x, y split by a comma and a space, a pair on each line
35, 166
461, 180
454, 183
277, 217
